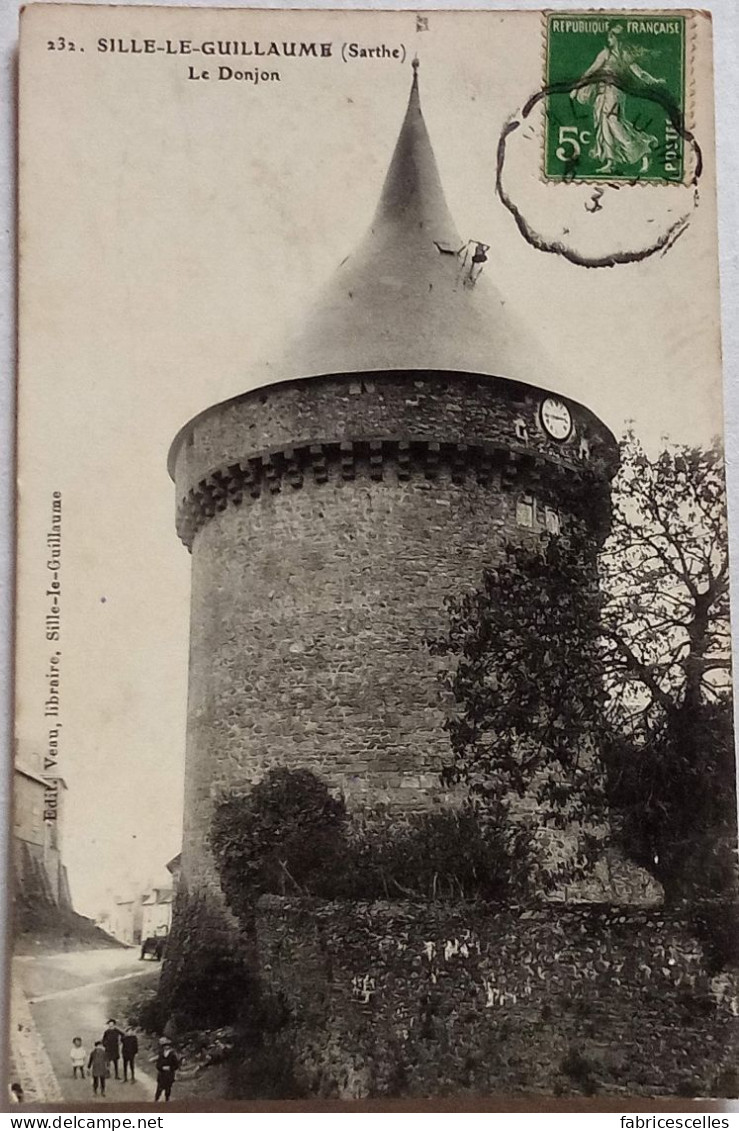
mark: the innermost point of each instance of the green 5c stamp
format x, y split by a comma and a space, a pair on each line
615, 101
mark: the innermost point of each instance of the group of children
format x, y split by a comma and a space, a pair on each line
115, 1045
104, 1053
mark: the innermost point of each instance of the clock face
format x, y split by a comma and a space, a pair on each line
556, 419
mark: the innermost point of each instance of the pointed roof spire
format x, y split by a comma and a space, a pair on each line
413, 192
400, 301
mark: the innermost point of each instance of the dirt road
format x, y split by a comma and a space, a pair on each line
68, 995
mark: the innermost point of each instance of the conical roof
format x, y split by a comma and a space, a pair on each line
402, 300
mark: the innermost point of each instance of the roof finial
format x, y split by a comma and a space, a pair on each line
415, 64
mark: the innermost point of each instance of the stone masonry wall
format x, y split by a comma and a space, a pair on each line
400, 404
390, 999
315, 590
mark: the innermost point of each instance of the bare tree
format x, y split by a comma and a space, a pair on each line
665, 573
667, 671
552, 659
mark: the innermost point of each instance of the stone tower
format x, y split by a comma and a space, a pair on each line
328, 518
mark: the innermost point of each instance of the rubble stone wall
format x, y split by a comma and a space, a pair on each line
429, 999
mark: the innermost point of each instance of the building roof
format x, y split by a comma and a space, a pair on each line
402, 300
157, 895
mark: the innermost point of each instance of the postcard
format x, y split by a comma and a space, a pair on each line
374, 721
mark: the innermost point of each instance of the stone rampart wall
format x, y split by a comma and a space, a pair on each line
39, 876
427, 999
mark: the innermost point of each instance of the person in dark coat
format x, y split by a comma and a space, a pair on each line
167, 1064
129, 1047
98, 1065
112, 1044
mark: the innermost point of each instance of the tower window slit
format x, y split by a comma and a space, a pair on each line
533, 515
525, 511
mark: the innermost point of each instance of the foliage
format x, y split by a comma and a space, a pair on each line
262, 1068
666, 666
674, 799
288, 834
557, 655
527, 709
205, 979
665, 571
146, 1012
283, 835
446, 853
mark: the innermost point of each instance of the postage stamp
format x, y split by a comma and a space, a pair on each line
615, 96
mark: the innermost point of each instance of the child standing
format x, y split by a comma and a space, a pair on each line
98, 1065
78, 1056
167, 1064
129, 1047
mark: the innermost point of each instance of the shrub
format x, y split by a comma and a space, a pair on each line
147, 1012
443, 853
288, 834
283, 835
205, 981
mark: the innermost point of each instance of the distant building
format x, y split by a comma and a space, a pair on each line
157, 912
140, 915
126, 919
40, 875
174, 867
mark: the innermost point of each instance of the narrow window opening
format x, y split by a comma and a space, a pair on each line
551, 520
525, 511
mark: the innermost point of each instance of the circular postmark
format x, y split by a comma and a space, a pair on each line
599, 165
